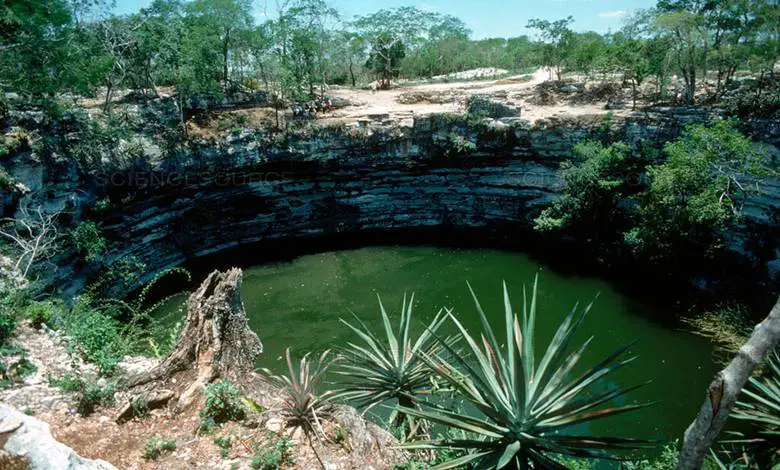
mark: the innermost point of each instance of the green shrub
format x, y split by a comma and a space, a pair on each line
596, 181
95, 394
224, 443
16, 371
89, 241
40, 312
7, 328
223, 404
95, 334
69, 382
695, 195
6, 180
274, 456
140, 406
154, 447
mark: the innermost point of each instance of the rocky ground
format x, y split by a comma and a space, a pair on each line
534, 95
348, 441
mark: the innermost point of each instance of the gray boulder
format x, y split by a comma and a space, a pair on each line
28, 440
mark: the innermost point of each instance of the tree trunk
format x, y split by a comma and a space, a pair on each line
216, 341
633, 90
724, 390
225, 51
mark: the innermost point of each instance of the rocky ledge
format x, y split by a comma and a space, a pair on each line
489, 176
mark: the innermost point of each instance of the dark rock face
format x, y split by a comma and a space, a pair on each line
253, 188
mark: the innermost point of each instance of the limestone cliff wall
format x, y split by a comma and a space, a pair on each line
253, 187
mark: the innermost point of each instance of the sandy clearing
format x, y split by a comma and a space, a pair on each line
518, 89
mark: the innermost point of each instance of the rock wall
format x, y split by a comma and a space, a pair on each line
444, 172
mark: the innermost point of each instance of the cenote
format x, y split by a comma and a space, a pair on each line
299, 303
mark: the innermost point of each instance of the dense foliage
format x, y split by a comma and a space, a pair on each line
678, 212
69, 46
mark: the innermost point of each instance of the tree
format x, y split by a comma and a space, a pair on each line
32, 50
697, 193
385, 58
157, 55
220, 20
392, 34
724, 390
556, 36
689, 48
588, 52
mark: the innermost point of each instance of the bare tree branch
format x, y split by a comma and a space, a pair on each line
34, 233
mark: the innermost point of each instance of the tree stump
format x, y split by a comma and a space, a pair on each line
216, 341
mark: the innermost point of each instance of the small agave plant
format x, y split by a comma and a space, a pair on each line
376, 369
528, 407
303, 406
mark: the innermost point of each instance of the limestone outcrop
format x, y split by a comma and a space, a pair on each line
27, 443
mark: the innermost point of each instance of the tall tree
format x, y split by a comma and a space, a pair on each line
222, 18
556, 36
32, 47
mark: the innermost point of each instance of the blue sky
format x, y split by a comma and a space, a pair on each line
486, 18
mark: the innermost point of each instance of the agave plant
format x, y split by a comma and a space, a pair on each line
378, 370
303, 406
760, 407
529, 406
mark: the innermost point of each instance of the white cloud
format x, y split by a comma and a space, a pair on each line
613, 14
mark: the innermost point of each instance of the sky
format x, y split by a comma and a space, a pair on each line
486, 18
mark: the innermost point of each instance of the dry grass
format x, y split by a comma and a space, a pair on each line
727, 326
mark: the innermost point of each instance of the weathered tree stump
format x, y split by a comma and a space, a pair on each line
216, 341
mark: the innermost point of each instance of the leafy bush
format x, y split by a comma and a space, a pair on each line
390, 368
16, 371
595, 183
223, 404
528, 406
696, 194
303, 406
273, 457
95, 334
89, 241
140, 406
7, 328
6, 180
40, 312
94, 394
459, 145
68, 383
154, 447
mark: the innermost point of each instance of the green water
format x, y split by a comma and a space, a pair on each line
298, 304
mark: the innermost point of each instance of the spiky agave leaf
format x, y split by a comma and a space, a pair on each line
760, 407
388, 366
303, 406
527, 405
